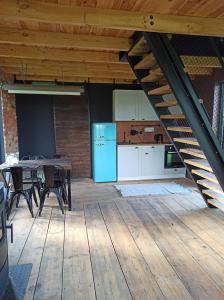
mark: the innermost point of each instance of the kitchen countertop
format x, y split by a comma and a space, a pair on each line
146, 144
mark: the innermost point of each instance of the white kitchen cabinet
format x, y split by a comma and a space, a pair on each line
125, 105
151, 161
146, 111
139, 162
128, 162
132, 105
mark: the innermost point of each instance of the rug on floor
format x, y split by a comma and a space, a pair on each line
166, 188
19, 275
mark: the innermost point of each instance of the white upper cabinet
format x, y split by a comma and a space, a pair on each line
146, 111
125, 106
132, 105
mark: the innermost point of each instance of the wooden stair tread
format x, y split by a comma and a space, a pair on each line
214, 195
193, 152
139, 48
148, 61
162, 90
172, 117
211, 185
152, 77
216, 203
200, 163
204, 174
180, 129
187, 140
167, 103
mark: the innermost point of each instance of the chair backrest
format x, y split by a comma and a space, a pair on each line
6, 174
17, 178
49, 172
53, 173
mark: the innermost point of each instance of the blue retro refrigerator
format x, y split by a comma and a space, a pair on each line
104, 152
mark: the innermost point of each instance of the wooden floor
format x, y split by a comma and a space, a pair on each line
109, 247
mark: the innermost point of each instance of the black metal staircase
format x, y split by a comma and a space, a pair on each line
161, 74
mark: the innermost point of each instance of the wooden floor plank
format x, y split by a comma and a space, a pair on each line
148, 247
77, 271
167, 279
49, 284
138, 275
33, 250
195, 279
108, 277
202, 222
24, 223
205, 254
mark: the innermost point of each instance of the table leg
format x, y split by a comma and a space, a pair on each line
69, 190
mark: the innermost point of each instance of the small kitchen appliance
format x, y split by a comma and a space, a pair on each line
158, 138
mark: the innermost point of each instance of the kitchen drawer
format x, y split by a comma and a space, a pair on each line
175, 171
152, 148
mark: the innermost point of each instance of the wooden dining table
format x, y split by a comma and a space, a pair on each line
34, 164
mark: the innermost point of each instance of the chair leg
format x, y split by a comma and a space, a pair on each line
64, 194
60, 199
10, 204
39, 190
35, 197
42, 199
28, 196
17, 200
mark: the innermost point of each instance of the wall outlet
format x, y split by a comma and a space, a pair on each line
149, 129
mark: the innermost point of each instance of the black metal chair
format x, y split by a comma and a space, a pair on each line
35, 177
6, 175
54, 182
32, 157
20, 188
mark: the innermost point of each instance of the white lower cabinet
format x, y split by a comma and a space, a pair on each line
128, 162
151, 161
144, 162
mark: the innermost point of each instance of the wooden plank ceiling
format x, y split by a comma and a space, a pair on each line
63, 47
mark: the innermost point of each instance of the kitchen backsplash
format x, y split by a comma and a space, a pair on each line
140, 132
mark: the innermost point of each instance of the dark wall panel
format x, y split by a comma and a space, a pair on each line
101, 100
35, 118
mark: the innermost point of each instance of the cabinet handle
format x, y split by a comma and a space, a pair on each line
153, 146
136, 147
143, 119
133, 119
146, 153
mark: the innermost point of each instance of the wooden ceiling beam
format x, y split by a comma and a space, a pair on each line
64, 65
35, 70
75, 55
108, 18
62, 40
72, 79
55, 54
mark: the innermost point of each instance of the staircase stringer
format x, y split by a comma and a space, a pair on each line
187, 98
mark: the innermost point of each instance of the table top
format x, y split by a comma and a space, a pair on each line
62, 162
